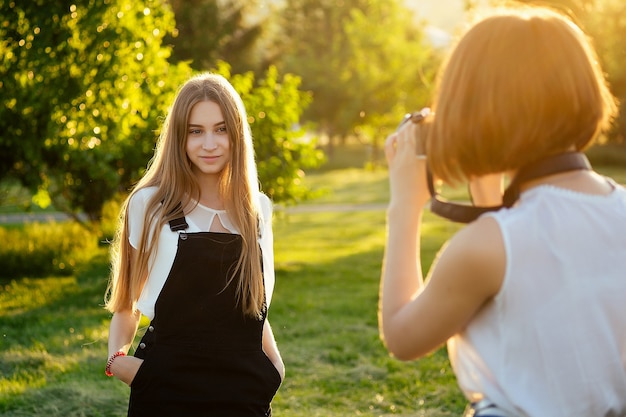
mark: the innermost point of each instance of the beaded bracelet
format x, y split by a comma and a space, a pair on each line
107, 369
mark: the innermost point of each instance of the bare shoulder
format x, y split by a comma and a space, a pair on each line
479, 255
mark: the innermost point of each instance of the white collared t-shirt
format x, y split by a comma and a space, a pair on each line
552, 342
199, 220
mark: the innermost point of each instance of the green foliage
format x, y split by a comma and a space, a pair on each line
13, 197
365, 62
208, 31
606, 22
274, 105
86, 87
83, 88
36, 249
109, 221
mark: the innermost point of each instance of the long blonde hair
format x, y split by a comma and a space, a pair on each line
170, 172
521, 84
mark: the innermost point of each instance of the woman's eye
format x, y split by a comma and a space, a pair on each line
195, 131
221, 129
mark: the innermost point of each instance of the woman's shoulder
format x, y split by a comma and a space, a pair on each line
479, 249
144, 193
480, 238
138, 200
265, 205
264, 200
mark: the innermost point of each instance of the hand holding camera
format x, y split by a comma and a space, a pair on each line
406, 158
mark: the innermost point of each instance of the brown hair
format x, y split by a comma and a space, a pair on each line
519, 85
170, 172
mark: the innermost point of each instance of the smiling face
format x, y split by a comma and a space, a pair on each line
208, 144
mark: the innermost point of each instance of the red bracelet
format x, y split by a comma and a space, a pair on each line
107, 369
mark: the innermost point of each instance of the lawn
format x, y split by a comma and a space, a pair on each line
324, 315
53, 330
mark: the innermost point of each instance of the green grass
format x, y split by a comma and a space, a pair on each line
350, 185
324, 317
53, 330
52, 340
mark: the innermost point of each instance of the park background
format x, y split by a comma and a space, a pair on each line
84, 86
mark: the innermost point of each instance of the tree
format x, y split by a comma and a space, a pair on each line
83, 88
274, 105
208, 31
364, 61
606, 22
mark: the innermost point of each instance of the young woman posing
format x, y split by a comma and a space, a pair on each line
194, 253
531, 298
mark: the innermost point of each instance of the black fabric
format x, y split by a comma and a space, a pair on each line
202, 356
554, 164
179, 223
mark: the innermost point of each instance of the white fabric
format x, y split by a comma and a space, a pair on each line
553, 341
199, 220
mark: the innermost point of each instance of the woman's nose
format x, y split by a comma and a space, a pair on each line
209, 142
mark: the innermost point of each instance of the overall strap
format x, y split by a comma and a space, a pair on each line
178, 223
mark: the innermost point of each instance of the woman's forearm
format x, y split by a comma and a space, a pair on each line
271, 349
401, 276
122, 330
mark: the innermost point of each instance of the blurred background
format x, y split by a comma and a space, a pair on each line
85, 84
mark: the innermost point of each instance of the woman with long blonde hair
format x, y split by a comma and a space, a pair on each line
194, 254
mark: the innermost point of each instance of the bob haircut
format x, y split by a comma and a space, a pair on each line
171, 173
521, 84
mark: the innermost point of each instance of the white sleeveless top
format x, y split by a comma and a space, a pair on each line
552, 343
199, 220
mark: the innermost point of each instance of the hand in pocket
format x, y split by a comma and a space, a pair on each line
125, 368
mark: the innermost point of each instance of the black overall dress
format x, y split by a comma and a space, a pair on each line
202, 356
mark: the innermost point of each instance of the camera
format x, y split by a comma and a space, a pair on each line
417, 118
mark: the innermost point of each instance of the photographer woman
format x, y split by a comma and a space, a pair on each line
531, 298
194, 255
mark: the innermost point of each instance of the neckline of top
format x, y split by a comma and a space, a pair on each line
574, 193
210, 208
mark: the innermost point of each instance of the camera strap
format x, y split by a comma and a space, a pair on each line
555, 164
